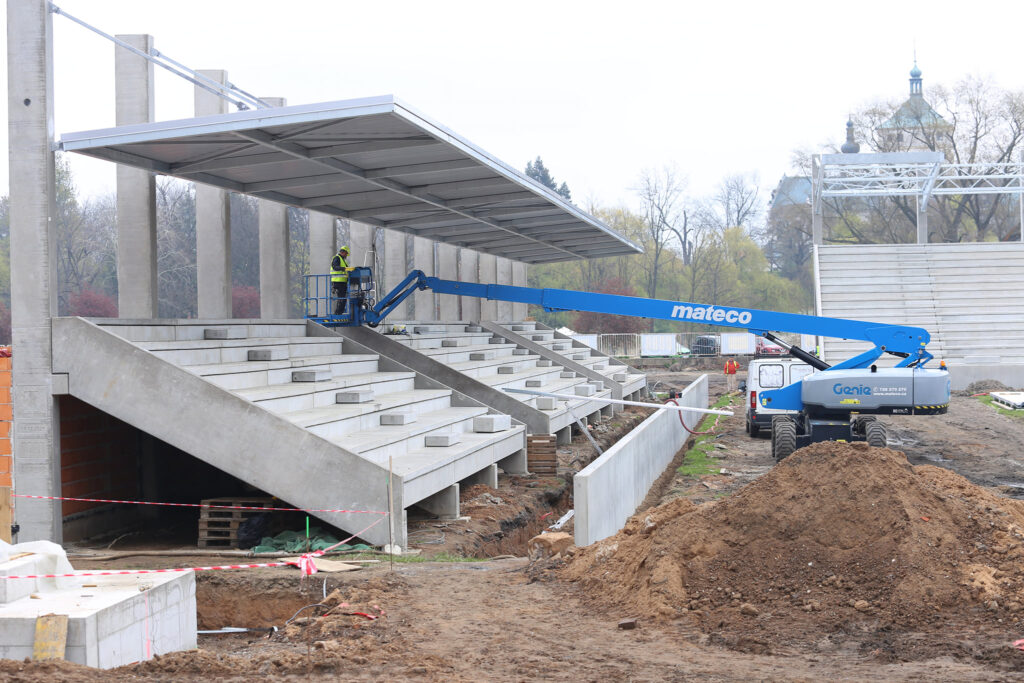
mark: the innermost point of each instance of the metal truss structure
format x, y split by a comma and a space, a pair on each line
908, 174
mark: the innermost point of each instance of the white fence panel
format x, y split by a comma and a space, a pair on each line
588, 339
658, 345
737, 343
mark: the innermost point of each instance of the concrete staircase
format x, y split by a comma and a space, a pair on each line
294, 410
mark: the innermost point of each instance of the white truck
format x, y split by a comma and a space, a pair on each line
770, 373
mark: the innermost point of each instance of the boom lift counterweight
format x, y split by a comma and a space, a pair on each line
838, 403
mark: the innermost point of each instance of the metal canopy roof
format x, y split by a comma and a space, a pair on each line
372, 160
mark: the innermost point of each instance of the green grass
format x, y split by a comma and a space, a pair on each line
1015, 414
698, 461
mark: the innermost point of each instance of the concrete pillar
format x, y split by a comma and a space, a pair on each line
488, 276
469, 271
396, 259
519, 311
922, 223
33, 211
503, 276
817, 230
213, 224
515, 463
488, 476
563, 437
323, 244
423, 259
448, 268
136, 189
361, 245
275, 252
444, 503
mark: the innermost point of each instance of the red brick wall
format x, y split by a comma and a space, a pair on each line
98, 456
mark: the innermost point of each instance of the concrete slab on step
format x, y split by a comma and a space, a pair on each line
533, 383
483, 355
474, 328
546, 403
600, 366
585, 390
427, 329
620, 376
506, 370
441, 440
520, 352
567, 375
579, 356
538, 337
354, 396
544, 363
458, 341
398, 417
560, 347
267, 354
224, 333
519, 328
496, 340
311, 376
491, 423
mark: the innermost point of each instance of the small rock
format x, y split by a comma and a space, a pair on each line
862, 606
992, 605
627, 624
549, 545
747, 608
389, 549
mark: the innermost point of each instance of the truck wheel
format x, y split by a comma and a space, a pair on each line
875, 432
861, 424
783, 438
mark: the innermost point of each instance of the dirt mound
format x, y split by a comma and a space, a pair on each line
985, 385
835, 534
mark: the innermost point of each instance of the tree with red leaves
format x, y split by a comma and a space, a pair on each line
604, 323
91, 304
245, 302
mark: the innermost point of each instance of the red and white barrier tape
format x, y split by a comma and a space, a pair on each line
194, 505
304, 563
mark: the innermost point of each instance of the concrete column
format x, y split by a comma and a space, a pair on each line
361, 244
323, 245
922, 223
519, 311
448, 268
423, 259
33, 211
488, 276
395, 258
515, 463
503, 269
136, 189
444, 503
213, 224
469, 271
488, 476
817, 231
275, 252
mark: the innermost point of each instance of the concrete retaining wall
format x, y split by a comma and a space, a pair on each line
609, 490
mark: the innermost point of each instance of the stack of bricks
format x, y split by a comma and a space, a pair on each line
6, 415
541, 455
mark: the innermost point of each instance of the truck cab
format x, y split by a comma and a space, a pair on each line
769, 373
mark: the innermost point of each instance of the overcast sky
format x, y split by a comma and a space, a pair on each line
600, 89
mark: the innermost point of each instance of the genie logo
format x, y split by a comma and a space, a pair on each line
859, 390
711, 314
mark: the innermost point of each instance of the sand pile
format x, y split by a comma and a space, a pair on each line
835, 533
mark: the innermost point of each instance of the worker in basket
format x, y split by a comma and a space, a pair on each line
339, 280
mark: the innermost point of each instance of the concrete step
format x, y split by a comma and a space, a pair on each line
293, 396
490, 368
336, 420
381, 442
233, 376
208, 351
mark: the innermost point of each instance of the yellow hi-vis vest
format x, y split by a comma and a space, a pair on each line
339, 275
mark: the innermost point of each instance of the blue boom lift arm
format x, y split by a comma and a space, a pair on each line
909, 343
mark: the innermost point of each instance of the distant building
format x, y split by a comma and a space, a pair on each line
914, 124
791, 191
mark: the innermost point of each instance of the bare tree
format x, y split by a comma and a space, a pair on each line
661, 206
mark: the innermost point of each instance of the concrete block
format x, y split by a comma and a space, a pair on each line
520, 352
483, 355
519, 328
496, 340
600, 366
544, 363
474, 328
312, 376
458, 341
597, 384
538, 337
579, 356
567, 374
506, 369
224, 333
354, 396
491, 423
546, 403
560, 347
398, 417
441, 440
620, 376
585, 390
427, 329
267, 354
534, 383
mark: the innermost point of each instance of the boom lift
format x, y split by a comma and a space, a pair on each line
837, 404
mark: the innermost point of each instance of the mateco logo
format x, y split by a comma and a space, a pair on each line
859, 390
711, 314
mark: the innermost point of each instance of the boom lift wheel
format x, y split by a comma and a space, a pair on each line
875, 432
783, 437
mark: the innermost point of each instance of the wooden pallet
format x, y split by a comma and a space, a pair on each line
218, 528
542, 454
